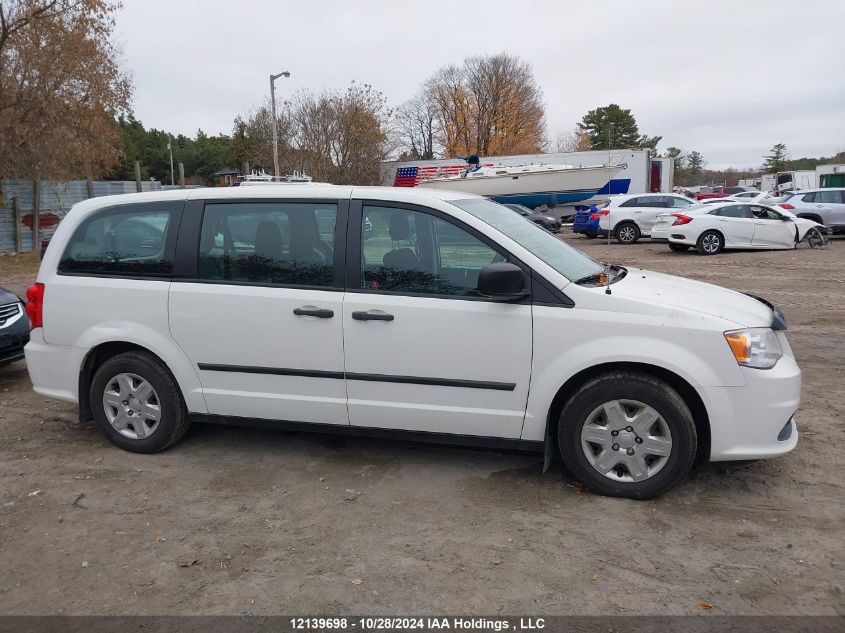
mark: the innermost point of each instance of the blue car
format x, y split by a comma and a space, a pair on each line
586, 220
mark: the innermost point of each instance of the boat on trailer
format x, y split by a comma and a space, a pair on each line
529, 185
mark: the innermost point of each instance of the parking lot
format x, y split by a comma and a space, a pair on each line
247, 521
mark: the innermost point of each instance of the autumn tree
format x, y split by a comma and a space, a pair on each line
776, 160
612, 127
488, 105
60, 87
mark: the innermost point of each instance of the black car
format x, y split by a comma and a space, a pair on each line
546, 221
14, 328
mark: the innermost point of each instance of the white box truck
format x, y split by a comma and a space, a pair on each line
796, 180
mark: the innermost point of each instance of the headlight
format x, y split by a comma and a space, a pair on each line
756, 347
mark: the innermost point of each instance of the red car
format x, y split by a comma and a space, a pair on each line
720, 192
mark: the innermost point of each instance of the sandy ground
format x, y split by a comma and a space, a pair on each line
240, 521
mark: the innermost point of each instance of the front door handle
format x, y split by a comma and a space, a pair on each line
321, 313
371, 316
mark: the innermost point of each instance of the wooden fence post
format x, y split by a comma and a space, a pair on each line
137, 176
16, 219
182, 175
36, 210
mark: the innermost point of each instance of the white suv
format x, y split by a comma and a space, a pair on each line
630, 217
451, 319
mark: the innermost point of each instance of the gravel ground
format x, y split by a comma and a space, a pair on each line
244, 521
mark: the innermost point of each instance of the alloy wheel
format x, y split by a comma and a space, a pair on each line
711, 243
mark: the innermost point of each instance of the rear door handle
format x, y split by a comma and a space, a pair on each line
321, 313
371, 316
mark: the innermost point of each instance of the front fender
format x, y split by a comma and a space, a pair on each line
698, 368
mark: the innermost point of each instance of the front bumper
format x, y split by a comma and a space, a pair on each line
758, 420
13, 336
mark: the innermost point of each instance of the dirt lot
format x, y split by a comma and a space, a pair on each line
240, 521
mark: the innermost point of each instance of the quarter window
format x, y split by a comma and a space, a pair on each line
132, 240
809, 197
268, 242
413, 252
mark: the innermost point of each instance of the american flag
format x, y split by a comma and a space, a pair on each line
412, 176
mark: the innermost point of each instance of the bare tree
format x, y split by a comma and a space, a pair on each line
416, 120
332, 136
573, 141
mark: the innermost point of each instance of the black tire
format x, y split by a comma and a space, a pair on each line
626, 233
710, 243
628, 386
679, 248
174, 421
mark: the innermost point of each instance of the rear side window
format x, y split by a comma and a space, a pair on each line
679, 203
829, 197
633, 202
133, 240
735, 211
657, 202
286, 243
809, 197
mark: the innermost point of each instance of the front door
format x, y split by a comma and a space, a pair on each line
262, 319
423, 351
771, 228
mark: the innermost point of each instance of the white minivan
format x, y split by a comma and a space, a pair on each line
425, 314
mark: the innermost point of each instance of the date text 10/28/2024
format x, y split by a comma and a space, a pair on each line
416, 624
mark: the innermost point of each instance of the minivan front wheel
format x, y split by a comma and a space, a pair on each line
137, 403
627, 435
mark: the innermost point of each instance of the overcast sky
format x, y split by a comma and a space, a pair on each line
727, 78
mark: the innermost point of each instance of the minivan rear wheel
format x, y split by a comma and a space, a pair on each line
137, 403
627, 435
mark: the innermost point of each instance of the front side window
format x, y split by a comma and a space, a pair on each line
418, 253
569, 262
764, 213
130, 240
268, 242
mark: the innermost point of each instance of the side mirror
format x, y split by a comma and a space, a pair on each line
501, 281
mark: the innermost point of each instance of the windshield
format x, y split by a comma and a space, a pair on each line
569, 262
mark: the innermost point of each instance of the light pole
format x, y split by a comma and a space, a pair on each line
273, 78
170, 149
